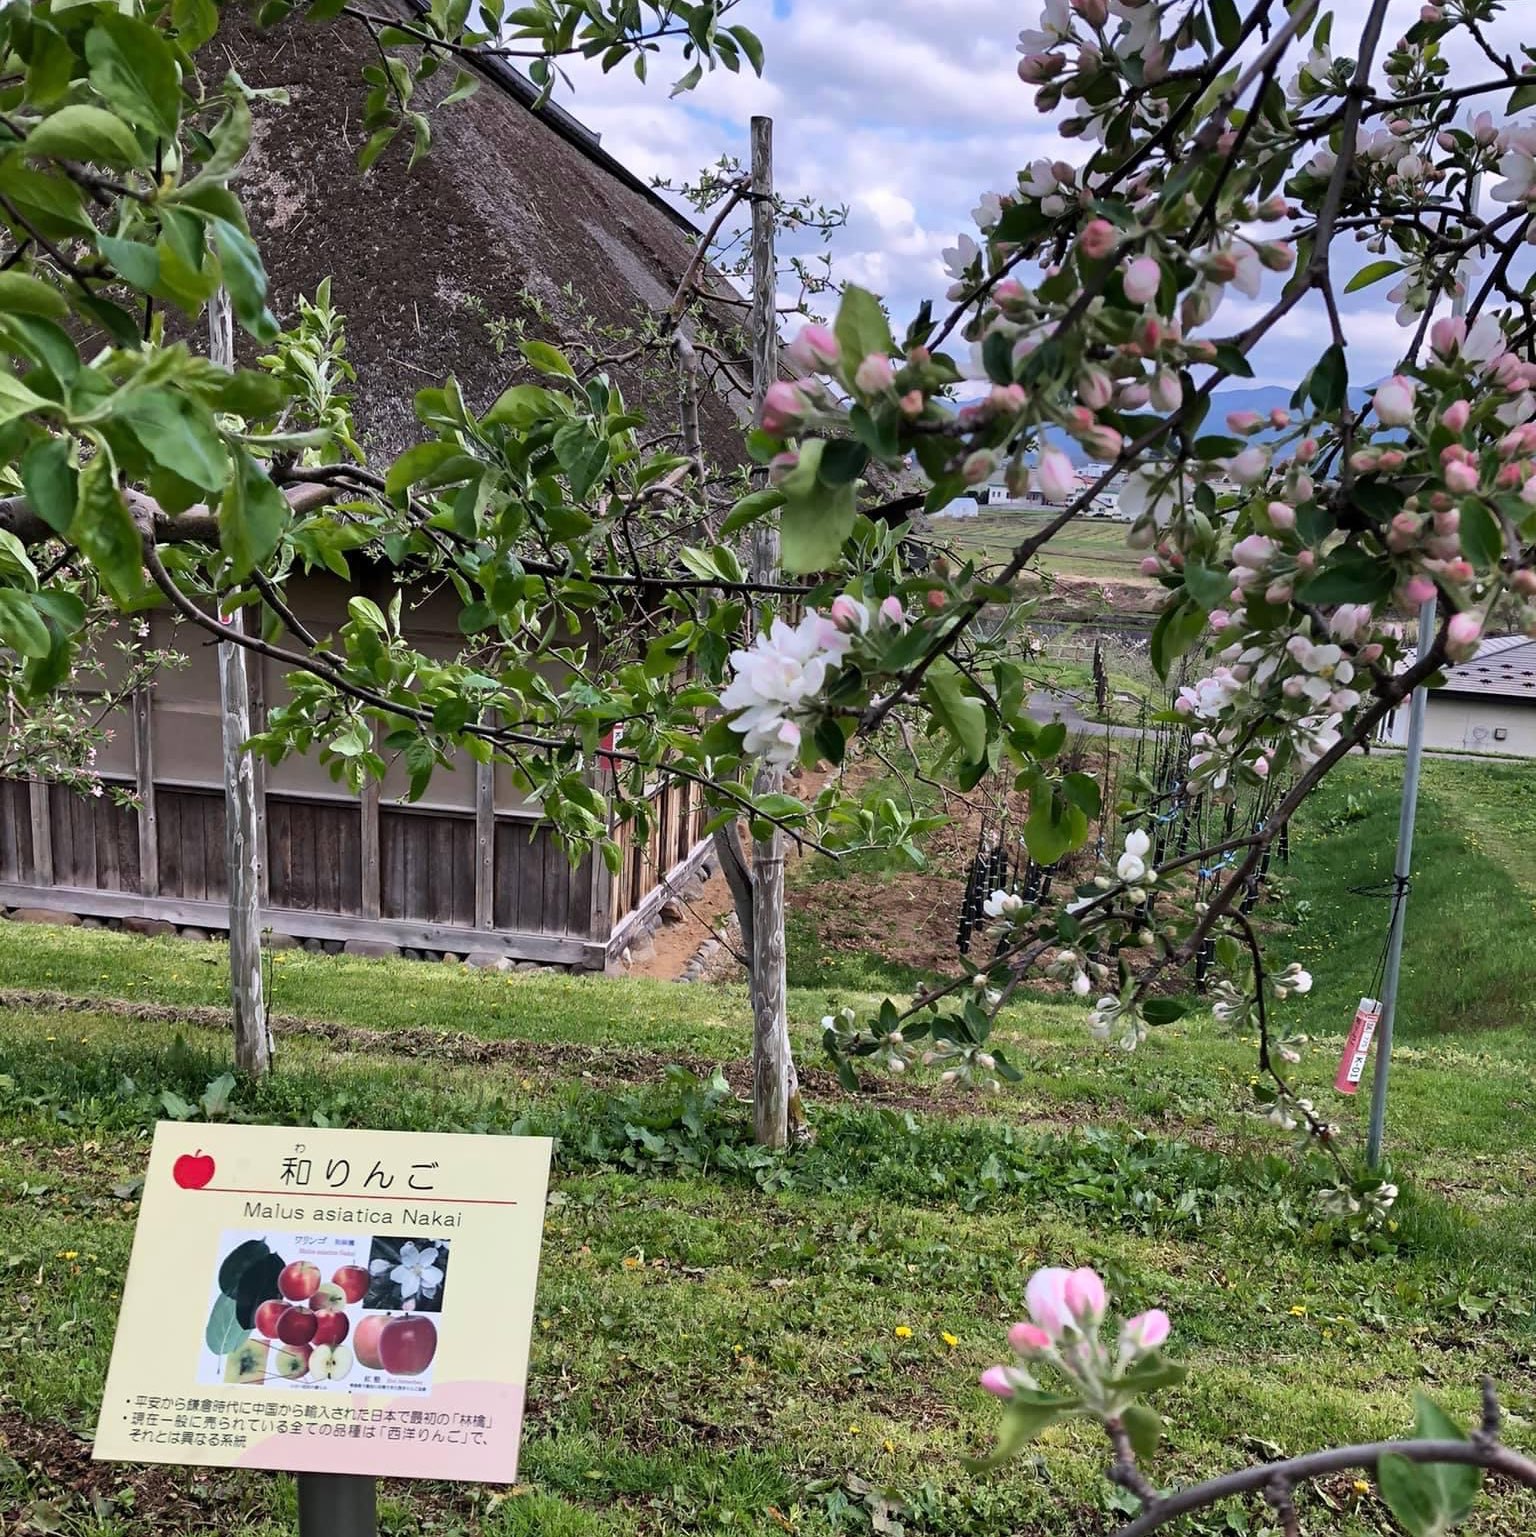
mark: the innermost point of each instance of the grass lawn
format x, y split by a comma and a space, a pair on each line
728, 1340
1086, 547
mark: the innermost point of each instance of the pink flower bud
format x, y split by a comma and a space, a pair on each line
783, 410
1458, 572
893, 613
1098, 239
995, 1381
1244, 422
1394, 401
1141, 279
978, 466
1085, 1295
1363, 460
1037, 68
1448, 522
1055, 475
1219, 619
875, 374
1279, 418
1456, 415
1306, 451
1368, 654
1281, 515
848, 614
1146, 1331
1276, 255
1463, 635
1095, 388
1249, 465
1094, 12
1278, 592
814, 350
1009, 291
1446, 335
1167, 392
1524, 582
1150, 565
1461, 479
1103, 442
1390, 460
782, 466
912, 403
1028, 1339
1417, 591
1306, 559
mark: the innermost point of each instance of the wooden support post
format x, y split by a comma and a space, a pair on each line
42, 832
485, 845
368, 806
242, 815
144, 789
258, 682
772, 1071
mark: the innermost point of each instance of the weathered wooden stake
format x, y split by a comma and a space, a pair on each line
242, 823
771, 1067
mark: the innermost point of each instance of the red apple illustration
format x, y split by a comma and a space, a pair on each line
299, 1281
366, 1341
193, 1170
407, 1344
331, 1328
267, 1316
353, 1281
291, 1361
298, 1326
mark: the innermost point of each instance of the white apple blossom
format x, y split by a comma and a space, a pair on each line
1040, 182
776, 678
988, 211
1003, 904
1517, 165
417, 1272
1055, 27
1153, 493
958, 260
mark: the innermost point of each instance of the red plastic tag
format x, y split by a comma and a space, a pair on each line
1357, 1049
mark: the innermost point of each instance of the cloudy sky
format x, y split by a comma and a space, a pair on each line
907, 110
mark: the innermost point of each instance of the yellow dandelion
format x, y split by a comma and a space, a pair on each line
1361, 1487
630, 1262
69, 1254
1298, 1311
853, 1430
890, 1446
949, 1339
903, 1332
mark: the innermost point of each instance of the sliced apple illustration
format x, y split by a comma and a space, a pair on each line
291, 1361
247, 1363
329, 1362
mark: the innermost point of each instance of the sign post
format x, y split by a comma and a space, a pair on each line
341, 1305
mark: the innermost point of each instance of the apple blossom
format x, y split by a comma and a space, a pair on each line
1056, 476
784, 408
1242, 423
1456, 416
813, 350
1097, 239
1146, 1331
1029, 1339
997, 1382
849, 615
1464, 635
1142, 278
874, 374
892, 612
1394, 401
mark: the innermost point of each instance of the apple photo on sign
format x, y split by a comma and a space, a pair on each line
297, 1310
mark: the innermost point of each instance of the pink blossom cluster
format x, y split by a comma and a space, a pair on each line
1064, 1331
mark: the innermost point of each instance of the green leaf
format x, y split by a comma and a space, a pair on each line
134, 70
49, 481
1176, 630
523, 405
223, 1333
1210, 587
416, 464
544, 359
1351, 576
245, 278
861, 327
195, 21
1522, 97
1458, 1482
22, 293
1482, 539
842, 461
1412, 1495
1371, 272
179, 434
16, 399
1055, 825
21, 628
1145, 1428
253, 515
1022, 1422
1153, 1372
751, 45
1083, 791
1163, 1011
1329, 384
136, 264
755, 505
960, 714
86, 133
104, 531
812, 528
237, 1261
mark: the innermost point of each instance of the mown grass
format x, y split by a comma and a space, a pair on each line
717, 1339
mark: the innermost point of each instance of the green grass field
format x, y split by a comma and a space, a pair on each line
728, 1340
1087, 547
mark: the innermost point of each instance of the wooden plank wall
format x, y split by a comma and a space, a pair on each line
678, 819
16, 862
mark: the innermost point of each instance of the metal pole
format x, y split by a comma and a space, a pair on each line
337, 1505
1401, 869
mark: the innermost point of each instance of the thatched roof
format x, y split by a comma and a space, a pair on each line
426, 263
